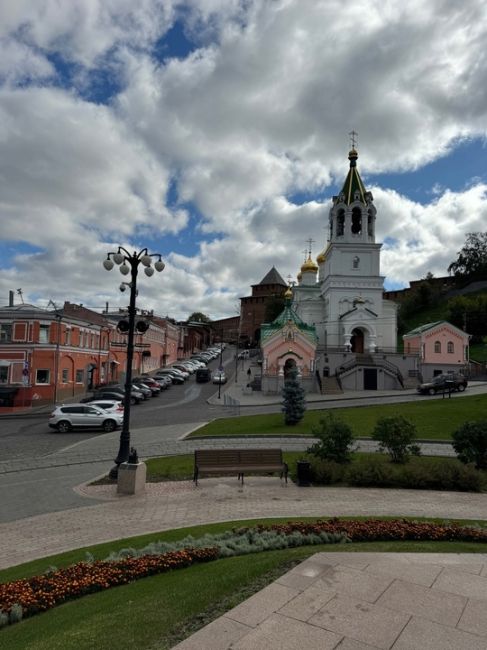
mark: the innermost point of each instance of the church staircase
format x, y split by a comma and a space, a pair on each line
330, 386
370, 361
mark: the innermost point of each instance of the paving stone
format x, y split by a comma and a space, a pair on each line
350, 644
361, 621
459, 582
308, 602
432, 604
421, 574
258, 607
474, 618
218, 635
282, 633
359, 584
303, 575
420, 634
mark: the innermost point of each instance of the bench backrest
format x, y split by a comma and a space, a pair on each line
238, 457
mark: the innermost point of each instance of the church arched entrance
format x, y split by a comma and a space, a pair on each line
289, 368
357, 341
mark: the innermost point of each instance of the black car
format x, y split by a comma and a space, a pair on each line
111, 394
443, 383
203, 375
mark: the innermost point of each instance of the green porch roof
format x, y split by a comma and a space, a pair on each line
287, 314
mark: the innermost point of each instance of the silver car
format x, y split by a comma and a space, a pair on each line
71, 416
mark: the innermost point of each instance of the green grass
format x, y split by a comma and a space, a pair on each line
156, 612
435, 419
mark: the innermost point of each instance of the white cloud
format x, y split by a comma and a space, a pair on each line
258, 112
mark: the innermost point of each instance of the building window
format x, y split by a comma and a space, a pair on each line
340, 223
5, 332
3, 374
65, 376
437, 347
450, 348
79, 376
44, 334
42, 376
356, 221
356, 262
67, 336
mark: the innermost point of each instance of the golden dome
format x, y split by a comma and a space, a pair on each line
288, 294
321, 257
309, 265
299, 276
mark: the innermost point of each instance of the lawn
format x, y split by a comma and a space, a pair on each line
157, 612
435, 418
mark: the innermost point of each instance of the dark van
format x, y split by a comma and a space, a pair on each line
203, 375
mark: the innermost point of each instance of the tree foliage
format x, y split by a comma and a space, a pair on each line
470, 443
199, 317
294, 402
469, 313
396, 435
472, 259
335, 440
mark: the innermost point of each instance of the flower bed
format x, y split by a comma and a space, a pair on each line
40, 593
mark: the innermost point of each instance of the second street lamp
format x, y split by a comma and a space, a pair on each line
129, 263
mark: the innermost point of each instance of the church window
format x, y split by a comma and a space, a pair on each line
356, 262
331, 228
370, 221
340, 223
450, 347
356, 221
438, 347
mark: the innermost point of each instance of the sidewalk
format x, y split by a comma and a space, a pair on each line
342, 601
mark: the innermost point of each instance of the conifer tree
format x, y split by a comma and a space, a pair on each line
294, 403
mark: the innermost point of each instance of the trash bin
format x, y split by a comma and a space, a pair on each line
304, 473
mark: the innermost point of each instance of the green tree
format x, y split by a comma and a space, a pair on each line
470, 443
294, 402
396, 435
199, 317
472, 259
335, 440
469, 313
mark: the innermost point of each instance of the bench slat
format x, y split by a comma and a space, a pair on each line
238, 460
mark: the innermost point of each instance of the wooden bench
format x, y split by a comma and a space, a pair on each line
239, 462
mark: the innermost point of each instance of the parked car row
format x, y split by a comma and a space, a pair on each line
104, 409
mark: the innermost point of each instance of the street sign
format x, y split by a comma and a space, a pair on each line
220, 368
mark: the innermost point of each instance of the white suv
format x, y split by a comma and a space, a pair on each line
65, 418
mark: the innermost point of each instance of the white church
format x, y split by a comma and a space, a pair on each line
341, 297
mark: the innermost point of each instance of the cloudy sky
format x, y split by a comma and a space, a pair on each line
215, 133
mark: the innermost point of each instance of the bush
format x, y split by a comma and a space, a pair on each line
396, 435
444, 476
470, 443
373, 473
336, 440
326, 472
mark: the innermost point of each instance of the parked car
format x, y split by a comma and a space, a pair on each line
115, 392
219, 377
203, 375
145, 390
184, 371
243, 354
177, 377
442, 383
151, 384
71, 416
108, 405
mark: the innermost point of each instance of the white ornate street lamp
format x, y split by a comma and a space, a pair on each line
129, 263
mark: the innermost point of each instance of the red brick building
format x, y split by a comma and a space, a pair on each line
253, 308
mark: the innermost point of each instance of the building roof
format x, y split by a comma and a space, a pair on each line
353, 182
429, 326
273, 277
287, 315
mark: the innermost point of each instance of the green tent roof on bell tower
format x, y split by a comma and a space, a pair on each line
353, 182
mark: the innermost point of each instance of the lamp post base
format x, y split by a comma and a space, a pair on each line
113, 473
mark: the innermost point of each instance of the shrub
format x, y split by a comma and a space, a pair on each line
470, 443
326, 472
444, 476
336, 440
294, 403
396, 435
373, 473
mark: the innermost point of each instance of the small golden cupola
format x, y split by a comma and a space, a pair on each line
321, 257
288, 294
309, 266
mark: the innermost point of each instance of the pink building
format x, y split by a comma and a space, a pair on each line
441, 348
